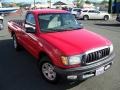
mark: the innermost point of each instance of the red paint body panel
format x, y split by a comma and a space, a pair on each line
56, 44
76, 42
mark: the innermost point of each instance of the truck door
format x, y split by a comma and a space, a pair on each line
30, 39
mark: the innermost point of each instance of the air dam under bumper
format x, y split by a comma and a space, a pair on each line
88, 71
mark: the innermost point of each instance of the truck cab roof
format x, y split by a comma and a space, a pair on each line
40, 11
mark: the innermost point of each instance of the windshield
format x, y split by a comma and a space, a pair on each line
57, 22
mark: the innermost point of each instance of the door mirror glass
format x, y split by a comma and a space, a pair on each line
30, 30
98, 12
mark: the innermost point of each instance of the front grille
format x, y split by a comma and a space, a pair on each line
94, 56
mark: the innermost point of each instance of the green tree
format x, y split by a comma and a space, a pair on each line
79, 3
87, 2
118, 0
104, 2
48, 1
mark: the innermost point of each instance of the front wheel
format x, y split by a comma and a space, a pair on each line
75, 15
1, 24
48, 71
85, 17
106, 18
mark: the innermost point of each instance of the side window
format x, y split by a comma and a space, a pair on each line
92, 11
30, 19
84, 10
76, 9
97, 11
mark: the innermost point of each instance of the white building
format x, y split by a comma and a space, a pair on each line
40, 5
68, 4
46, 5
88, 5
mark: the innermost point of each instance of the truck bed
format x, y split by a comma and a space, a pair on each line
15, 25
19, 23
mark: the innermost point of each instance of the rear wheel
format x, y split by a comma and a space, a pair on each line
15, 43
74, 15
85, 17
1, 21
1, 24
106, 17
47, 70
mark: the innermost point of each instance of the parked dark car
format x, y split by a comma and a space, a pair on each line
118, 18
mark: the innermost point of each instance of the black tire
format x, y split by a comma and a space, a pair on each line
47, 70
85, 17
106, 17
1, 21
74, 15
16, 45
1, 24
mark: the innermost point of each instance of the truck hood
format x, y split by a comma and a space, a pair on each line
76, 41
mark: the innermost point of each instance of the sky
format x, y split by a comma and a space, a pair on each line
42, 0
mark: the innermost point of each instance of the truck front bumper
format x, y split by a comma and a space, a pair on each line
88, 71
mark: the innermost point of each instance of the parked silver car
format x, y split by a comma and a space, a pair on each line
93, 14
75, 11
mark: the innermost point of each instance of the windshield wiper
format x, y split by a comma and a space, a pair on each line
77, 28
60, 30
51, 30
72, 28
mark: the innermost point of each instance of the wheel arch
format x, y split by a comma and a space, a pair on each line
44, 54
86, 16
41, 62
106, 15
1, 20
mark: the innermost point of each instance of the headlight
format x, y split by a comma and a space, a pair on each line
72, 60
111, 48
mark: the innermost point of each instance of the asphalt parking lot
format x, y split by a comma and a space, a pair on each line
18, 70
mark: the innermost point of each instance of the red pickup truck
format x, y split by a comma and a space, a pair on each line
63, 48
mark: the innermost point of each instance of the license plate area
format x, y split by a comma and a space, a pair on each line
100, 70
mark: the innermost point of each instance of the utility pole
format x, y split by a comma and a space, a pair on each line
115, 6
110, 6
49, 2
34, 4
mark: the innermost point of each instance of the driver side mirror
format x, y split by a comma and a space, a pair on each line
30, 30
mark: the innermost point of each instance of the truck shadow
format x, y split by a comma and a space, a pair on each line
18, 71
112, 25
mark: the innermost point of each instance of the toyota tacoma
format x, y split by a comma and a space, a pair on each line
62, 47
